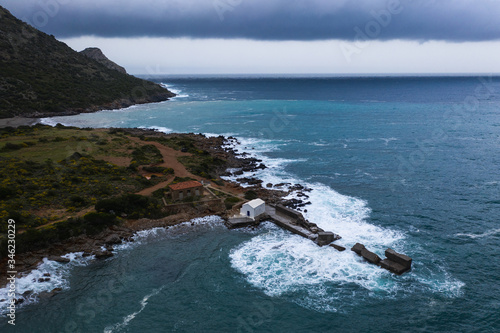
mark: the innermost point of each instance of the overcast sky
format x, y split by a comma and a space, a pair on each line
277, 36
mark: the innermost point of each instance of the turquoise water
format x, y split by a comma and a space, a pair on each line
407, 163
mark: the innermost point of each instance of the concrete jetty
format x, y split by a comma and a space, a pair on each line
287, 219
295, 222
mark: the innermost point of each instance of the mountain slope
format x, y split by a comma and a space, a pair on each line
40, 76
97, 55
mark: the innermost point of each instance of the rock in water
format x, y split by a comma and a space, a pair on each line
103, 254
59, 259
358, 248
399, 258
370, 256
396, 262
338, 247
393, 266
112, 240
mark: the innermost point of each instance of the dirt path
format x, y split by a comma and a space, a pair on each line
150, 190
170, 156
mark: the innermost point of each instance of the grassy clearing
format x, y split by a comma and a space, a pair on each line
47, 169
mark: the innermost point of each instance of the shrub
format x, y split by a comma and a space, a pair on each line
6, 192
9, 146
230, 202
95, 222
78, 201
147, 154
131, 204
250, 195
161, 192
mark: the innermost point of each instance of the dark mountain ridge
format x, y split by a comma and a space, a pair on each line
41, 76
96, 54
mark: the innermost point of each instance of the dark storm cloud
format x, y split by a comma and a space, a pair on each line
450, 20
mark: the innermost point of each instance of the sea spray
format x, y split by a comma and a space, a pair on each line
49, 275
144, 302
320, 278
32, 285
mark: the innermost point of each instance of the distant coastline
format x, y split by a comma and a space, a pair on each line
18, 121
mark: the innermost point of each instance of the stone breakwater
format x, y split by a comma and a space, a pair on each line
396, 263
295, 222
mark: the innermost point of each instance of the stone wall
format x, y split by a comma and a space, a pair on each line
282, 210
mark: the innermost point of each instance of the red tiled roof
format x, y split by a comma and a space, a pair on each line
185, 185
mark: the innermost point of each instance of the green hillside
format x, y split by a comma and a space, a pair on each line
40, 76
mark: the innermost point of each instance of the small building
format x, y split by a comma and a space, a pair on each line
253, 208
187, 189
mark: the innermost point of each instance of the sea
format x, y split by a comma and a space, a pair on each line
410, 163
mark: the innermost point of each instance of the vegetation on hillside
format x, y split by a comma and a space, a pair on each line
40, 75
200, 162
51, 177
59, 182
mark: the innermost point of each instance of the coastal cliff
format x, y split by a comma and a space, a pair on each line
96, 54
41, 76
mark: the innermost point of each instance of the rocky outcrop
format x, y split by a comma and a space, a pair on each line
96, 54
112, 240
59, 259
103, 254
362, 251
41, 76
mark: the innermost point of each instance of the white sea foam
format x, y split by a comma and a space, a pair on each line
160, 233
51, 121
489, 233
175, 90
59, 274
388, 140
158, 128
321, 143
130, 317
281, 263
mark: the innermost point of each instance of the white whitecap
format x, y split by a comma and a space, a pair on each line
59, 274
281, 263
130, 317
175, 90
492, 232
158, 128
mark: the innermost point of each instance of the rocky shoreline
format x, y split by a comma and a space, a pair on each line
115, 105
101, 245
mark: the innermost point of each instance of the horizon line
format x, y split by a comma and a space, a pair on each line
415, 74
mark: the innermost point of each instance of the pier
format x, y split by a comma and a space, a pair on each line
287, 219
295, 222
